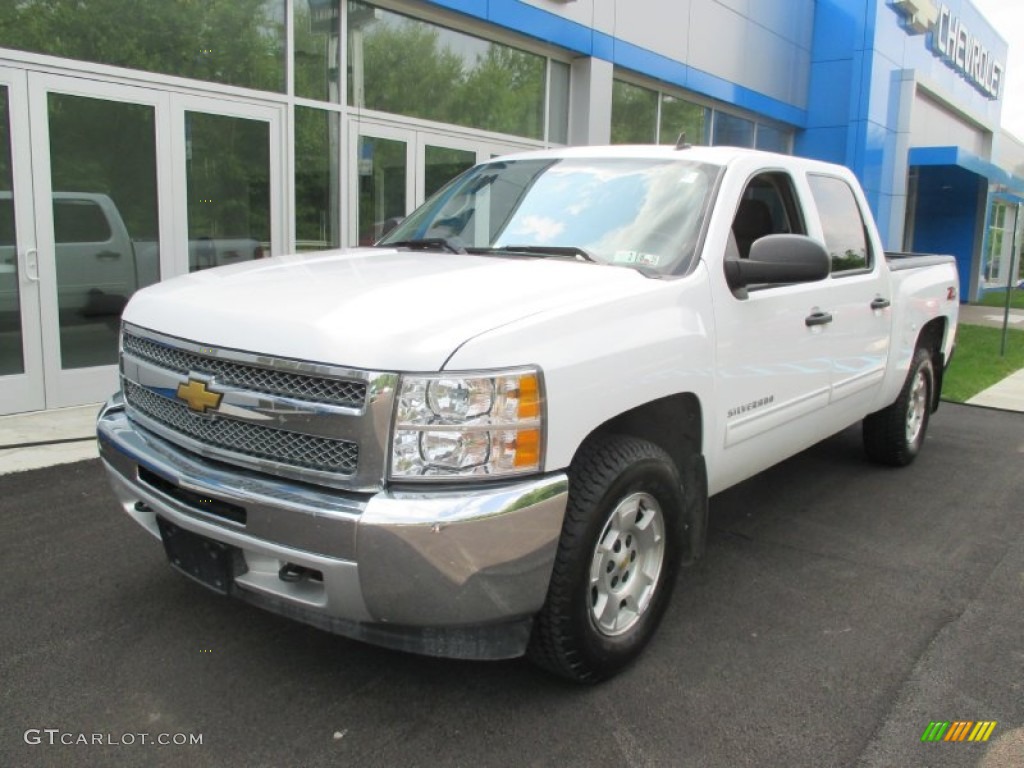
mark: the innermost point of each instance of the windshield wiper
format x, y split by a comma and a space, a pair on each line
450, 244
547, 250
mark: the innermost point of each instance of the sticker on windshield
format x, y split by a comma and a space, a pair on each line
636, 257
689, 177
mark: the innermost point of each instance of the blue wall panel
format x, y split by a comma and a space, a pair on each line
838, 29
829, 97
837, 80
947, 200
827, 144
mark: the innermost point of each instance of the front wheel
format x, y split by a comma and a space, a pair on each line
894, 435
617, 561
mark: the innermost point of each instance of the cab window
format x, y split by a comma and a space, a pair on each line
768, 207
842, 224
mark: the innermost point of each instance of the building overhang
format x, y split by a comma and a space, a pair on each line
1003, 180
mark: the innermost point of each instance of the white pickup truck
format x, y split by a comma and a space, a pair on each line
496, 431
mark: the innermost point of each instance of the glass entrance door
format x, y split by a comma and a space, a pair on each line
105, 189
21, 361
397, 169
384, 181
1002, 265
231, 208
127, 185
99, 222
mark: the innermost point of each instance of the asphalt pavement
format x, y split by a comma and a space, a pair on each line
840, 609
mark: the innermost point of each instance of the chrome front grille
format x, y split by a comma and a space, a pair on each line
291, 448
305, 421
295, 385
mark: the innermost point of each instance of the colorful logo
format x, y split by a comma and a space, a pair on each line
959, 730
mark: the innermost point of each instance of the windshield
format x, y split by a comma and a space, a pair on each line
639, 212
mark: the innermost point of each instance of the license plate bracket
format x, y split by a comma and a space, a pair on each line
211, 563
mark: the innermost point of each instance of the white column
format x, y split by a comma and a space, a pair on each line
590, 101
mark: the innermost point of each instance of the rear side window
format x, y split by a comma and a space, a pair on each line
79, 221
842, 224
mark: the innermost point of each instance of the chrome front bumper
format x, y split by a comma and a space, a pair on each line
457, 572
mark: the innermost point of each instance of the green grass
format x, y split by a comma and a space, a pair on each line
976, 363
998, 299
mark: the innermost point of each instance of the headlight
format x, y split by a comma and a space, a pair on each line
468, 424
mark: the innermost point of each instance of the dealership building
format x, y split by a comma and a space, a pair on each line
176, 135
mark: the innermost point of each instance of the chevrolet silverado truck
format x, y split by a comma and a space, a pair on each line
495, 432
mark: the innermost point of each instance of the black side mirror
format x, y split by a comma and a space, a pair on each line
779, 259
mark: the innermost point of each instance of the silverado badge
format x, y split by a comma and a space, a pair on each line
198, 397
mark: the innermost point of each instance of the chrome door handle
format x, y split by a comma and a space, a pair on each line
32, 265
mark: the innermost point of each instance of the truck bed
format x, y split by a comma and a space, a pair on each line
899, 260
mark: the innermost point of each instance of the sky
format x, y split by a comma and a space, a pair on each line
1007, 16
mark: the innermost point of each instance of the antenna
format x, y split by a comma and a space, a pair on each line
681, 142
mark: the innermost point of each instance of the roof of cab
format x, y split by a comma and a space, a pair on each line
720, 155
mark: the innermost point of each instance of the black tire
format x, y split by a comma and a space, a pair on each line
894, 435
595, 619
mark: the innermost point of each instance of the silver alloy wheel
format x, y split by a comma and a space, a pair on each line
917, 406
626, 564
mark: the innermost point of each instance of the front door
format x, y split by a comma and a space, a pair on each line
230, 207
398, 168
99, 222
127, 186
21, 359
774, 366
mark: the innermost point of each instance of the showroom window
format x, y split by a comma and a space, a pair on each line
410, 67
317, 185
634, 114
642, 115
317, 49
233, 42
733, 131
646, 116
679, 116
773, 139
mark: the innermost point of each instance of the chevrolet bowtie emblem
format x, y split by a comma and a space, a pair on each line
921, 15
198, 397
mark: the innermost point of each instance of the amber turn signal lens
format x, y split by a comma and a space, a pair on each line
529, 397
527, 448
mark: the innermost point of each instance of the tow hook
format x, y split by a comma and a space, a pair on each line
291, 572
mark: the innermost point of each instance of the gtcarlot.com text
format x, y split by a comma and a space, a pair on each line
57, 737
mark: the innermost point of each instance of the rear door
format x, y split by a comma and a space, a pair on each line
859, 299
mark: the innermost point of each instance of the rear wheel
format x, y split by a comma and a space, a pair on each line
617, 561
895, 434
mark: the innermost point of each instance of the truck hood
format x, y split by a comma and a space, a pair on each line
370, 308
